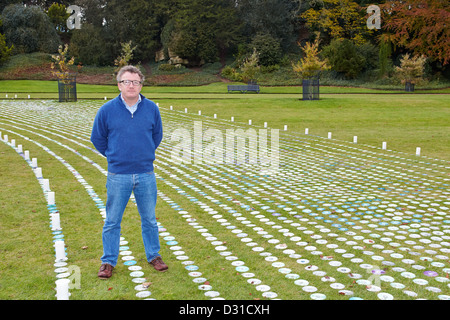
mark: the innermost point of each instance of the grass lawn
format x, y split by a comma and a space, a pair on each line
51, 87
316, 174
403, 121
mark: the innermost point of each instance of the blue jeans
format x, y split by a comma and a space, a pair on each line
119, 188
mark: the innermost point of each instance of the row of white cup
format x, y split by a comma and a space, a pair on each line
355, 138
62, 285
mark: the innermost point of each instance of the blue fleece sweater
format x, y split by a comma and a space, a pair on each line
128, 141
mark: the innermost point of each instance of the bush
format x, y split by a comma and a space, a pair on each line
197, 49
212, 68
87, 46
250, 67
270, 69
269, 49
29, 29
370, 53
169, 67
231, 74
311, 65
411, 69
5, 52
345, 57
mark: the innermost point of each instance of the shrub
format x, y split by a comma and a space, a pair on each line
345, 58
411, 69
29, 29
88, 46
167, 67
125, 56
311, 65
5, 51
270, 69
384, 58
61, 63
250, 67
230, 73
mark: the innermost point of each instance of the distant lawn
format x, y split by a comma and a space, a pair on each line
49, 89
404, 120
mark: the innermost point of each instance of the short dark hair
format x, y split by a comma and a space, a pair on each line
131, 69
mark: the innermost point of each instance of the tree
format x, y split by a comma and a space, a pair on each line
126, 56
345, 57
58, 16
411, 69
268, 48
29, 29
116, 26
44, 4
203, 28
144, 28
61, 65
278, 18
422, 26
310, 65
93, 11
250, 67
89, 47
338, 19
384, 55
5, 51
5, 3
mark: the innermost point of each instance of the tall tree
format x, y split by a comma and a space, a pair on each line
44, 4
422, 26
277, 18
5, 51
203, 28
5, 3
29, 29
144, 28
58, 16
93, 11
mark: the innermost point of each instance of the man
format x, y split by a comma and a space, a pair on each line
127, 130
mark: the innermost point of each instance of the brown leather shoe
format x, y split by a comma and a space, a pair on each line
158, 264
105, 271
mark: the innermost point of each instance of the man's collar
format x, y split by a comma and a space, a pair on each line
123, 100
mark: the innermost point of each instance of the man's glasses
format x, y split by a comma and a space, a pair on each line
128, 82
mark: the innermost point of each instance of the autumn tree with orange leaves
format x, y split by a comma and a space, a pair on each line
421, 26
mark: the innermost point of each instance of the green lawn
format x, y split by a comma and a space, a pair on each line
51, 87
404, 121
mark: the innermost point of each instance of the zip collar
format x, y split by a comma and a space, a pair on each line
132, 109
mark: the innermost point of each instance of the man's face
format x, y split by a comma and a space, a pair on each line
131, 91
